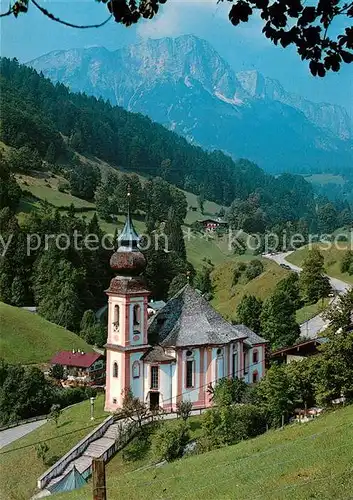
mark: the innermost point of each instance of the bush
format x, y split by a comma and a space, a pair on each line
229, 391
169, 442
228, 425
347, 261
254, 269
63, 186
184, 409
72, 395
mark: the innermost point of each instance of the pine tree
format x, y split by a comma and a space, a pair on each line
18, 292
314, 284
175, 235
249, 312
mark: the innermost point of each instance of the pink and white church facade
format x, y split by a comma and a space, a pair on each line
178, 352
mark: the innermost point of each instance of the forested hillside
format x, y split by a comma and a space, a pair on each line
65, 140
54, 121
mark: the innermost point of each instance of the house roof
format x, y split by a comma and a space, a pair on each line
215, 221
79, 359
188, 319
312, 343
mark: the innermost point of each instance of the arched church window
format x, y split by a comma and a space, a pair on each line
135, 369
137, 315
115, 370
190, 369
219, 364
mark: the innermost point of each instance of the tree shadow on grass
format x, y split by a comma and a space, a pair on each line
64, 423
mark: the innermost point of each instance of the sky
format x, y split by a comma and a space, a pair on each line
243, 47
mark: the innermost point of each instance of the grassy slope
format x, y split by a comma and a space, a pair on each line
29, 338
325, 179
333, 257
119, 464
45, 187
227, 297
308, 312
312, 460
19, 465
197, 247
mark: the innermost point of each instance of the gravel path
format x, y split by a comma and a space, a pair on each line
314, 326
10, 435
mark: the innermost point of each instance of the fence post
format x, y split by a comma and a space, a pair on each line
98, 477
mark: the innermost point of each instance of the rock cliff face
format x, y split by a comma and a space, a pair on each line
324, 115
184, 84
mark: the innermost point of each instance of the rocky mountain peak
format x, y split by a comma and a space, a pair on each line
187, 86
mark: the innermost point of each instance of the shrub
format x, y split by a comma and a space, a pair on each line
169, 442
63, 186
42, 451
55, 413
229, 391
184, 409
227, 425
347, 261
254, 269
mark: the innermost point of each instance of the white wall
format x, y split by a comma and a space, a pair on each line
115, 389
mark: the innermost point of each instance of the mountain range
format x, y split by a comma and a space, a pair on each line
184, 84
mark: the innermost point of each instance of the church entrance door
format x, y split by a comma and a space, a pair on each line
154, 400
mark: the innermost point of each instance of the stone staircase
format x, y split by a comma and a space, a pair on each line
96, 449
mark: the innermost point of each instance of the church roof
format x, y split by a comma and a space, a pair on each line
188, 319
156, 354
128, 237
127, 260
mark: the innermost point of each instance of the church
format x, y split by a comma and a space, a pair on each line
175, 354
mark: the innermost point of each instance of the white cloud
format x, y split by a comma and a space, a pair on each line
177, 17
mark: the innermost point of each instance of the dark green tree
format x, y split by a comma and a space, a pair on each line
203, 281
57, 372
290, 286
278, 323
274, 396
314, 284
10, 191
327, 218
175, 236
249, 312
18, 292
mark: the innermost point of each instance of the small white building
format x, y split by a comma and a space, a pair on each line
185, 347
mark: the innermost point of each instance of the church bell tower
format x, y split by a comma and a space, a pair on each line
127, 319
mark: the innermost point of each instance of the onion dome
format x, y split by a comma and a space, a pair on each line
128, 260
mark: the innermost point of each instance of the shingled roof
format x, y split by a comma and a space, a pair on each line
188, 319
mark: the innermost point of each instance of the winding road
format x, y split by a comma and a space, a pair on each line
314, 326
